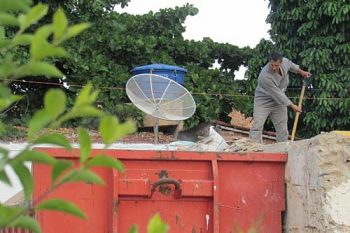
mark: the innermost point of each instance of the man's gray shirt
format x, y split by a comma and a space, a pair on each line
272, 86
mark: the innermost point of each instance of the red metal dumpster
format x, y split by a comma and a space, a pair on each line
192, 192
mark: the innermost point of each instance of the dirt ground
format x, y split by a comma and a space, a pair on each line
148, 137
138, 137
145, 135
71, 133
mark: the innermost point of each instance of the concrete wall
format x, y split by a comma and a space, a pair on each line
318, 184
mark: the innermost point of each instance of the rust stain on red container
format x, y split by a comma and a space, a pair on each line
194, 192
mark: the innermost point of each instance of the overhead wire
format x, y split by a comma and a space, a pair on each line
106, 88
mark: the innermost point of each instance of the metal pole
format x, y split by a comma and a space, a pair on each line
156, 129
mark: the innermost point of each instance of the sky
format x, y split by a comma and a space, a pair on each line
238, 22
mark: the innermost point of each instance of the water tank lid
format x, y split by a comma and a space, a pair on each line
159, 67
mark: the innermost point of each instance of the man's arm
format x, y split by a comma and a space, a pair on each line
303, 73
296, 69
274, 91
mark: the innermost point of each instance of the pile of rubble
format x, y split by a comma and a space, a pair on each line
214, 136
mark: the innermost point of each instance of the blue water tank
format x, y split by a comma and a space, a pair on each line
173, 72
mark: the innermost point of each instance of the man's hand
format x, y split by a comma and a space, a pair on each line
305, 74
295, 108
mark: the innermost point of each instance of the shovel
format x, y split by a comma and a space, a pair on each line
295, 124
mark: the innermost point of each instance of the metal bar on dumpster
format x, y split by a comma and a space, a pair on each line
216, 207
115, 200
134, 187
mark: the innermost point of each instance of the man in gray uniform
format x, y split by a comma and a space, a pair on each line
270, 98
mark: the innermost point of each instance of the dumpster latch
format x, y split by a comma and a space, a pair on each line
163, 184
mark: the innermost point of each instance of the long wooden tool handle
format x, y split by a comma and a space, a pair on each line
298, 113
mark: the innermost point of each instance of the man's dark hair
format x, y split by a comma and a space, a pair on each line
275, 56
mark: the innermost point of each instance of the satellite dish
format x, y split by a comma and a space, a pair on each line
160, 97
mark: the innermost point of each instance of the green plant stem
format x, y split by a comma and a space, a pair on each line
45, 194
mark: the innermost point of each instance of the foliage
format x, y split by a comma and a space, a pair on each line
155, 225
45, 42
315, 35
117, 42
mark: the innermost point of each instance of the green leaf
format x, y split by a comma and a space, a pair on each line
2, 33
85, 111
60, 24
23, 39
108, 129
55, 102
7, 67
35, 156
39, 42
128, 127
85, 144
133, 229
49, 50
87, 176
39, 68
59, 168
8, 20
41, 48
33, 16
75, 30
54, 139
7, 214
62, 206
10, 5
27, 223
111, 130
105, 161
155, 225
86, 96
6, 101
4, 177
40, 120
4, 42
4, 153
25, 177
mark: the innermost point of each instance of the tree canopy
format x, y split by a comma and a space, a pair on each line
118, 42
315, 35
